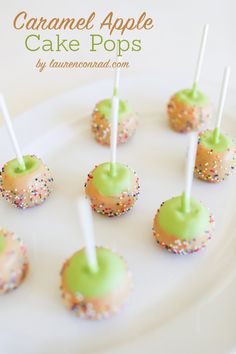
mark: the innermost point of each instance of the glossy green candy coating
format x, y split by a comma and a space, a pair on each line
184, 225
112, 184
192, 97
105, 108
221, 144
79, 278
12, 168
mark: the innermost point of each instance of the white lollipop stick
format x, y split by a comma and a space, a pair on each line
117, 79
200, 56
223, 92
114, 119
11, 132
114, 125
190, 163
86, 222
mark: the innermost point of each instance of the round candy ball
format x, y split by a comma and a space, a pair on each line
182, 232
112, 194
215, 159
95, 295
101, 122
188, 110
13, 261
26, 188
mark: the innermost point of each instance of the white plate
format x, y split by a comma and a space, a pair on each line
180, 304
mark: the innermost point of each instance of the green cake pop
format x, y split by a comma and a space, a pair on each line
95, 281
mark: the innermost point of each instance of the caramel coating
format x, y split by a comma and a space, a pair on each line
184, 118
101, 128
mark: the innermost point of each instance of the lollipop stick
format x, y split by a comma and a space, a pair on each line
11, 132
114, 120
200, 58
190, 163
223, 92
86, 221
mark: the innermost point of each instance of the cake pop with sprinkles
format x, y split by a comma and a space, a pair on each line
13, 261
112, 187
190, 109
216, 152
95, 281
102, 121
24, 181
182, 224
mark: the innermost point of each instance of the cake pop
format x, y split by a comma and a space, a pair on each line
25, 181
190, 109
216, 152
95, 281
183, 225
101, 122
102, 118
